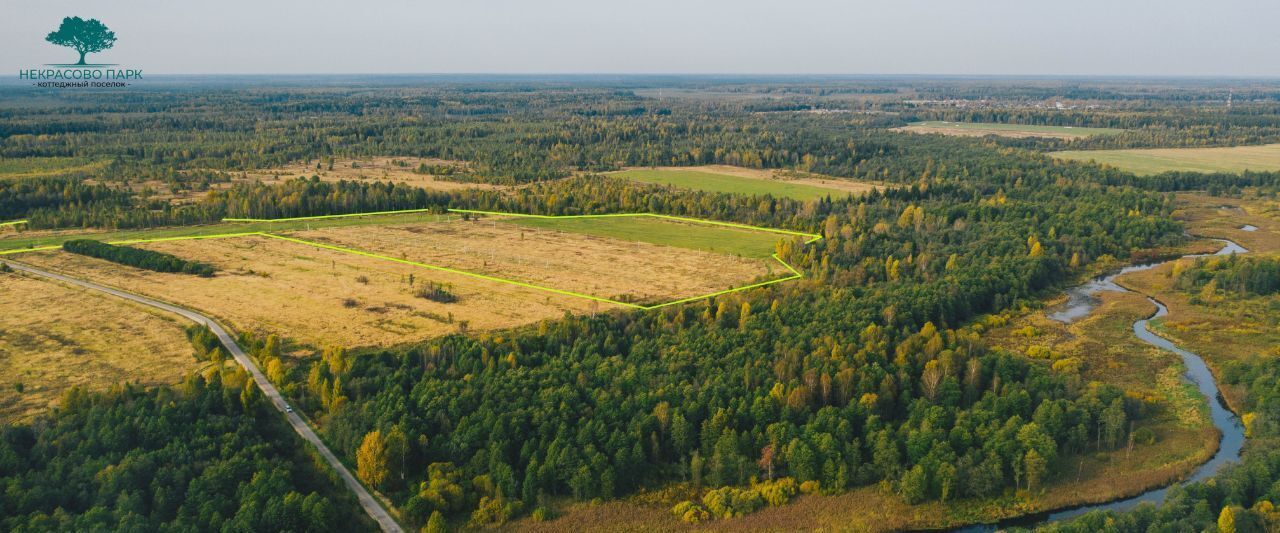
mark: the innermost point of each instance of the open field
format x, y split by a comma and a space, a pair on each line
35, 167
1146, 162
623, 270
982, 129
54, 337
19, 240
725, 240
738, 180
368, 169
320, 297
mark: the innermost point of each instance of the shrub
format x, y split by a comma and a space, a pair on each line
690, 512
437, 293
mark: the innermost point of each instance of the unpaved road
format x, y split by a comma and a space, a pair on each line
367, 501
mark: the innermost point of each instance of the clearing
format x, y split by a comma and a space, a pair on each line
54, 337
36, 167
753, 243
1145, 162
738, 180
403, 170
982, 129
594, 264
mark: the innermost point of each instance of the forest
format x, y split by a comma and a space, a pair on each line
873, 371
206, 455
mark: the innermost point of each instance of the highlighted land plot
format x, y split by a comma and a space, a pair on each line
369, 284
13, 223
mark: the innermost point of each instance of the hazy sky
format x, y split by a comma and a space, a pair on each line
1019, 37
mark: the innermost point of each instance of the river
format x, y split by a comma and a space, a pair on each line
1082, 300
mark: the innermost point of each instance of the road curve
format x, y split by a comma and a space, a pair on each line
367, 501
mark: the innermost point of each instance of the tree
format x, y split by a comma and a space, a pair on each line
1227, 520
85, 36
371, 459
1036, 468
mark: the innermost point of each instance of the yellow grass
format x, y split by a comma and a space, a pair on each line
321, 297
604, 267
54, 337
768, 175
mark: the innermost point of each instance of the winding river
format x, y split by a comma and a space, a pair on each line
1082, 300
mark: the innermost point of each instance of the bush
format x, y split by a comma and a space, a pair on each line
777, 492
728, 502
437, 293
690, 512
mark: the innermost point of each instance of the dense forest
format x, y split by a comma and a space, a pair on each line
1242, 276
207, 455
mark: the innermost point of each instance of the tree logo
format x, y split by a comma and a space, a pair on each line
85, 36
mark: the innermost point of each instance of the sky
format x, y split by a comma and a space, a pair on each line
1220, 38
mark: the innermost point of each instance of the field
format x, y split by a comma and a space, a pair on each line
320, 297
625, 270
369, 169
737, 180
34, 167
344, 281
732, 241
981, 129
1146, 162
54, 337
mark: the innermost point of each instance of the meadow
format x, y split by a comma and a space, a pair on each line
1146, 162
725, 240
737, 180
34, 167
980, 129
54, 337
613, 268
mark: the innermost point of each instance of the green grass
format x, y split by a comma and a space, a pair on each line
31, 167
17, 240
1018, 128
711, 182
741, 242
1146, 162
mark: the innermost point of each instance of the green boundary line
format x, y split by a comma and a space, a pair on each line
318, 217
795, 274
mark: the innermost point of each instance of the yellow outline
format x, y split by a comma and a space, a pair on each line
14, 222
795, 274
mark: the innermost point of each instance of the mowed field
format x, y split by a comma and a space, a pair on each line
1146, 162
981, 129
737, 180
54, 337
597, 265
664, 232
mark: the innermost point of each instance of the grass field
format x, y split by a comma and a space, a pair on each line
732, 241
1146, 162
320, 297
736, 180
54, 337
17, 240
623, 270
34, 167
979, 129
370, 168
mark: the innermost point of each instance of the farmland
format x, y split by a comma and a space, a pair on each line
737, 180
1145, 162
53, 338
733, 241
404, 170
627, 270
980, 129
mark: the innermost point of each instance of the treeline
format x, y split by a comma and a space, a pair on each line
138, 257
1231, 274
208, 455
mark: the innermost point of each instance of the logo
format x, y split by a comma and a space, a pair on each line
84, 37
